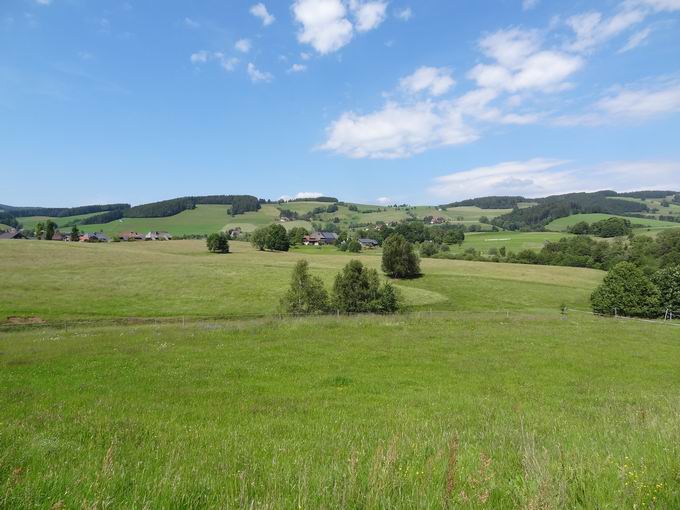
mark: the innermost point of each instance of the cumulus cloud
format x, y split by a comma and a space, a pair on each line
397, 131
521, 64
325, 24
243, 45
257, 76
368, 15
384, 200
259, 10
434, 80
542, 177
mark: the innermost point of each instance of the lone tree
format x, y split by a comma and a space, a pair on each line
297, 235
307, 294
357, 290
75, 234
50, 228
39, 229
626, 291
353, 246
259, 238
218, 243
399, 259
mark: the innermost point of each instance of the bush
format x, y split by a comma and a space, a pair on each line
626, 291
307, 294
428, 249
297, 235
259, 238
354, 246
399, 259
668, 282
357, 290
218, 243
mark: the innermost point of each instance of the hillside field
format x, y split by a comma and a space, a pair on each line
483, 396
512, 241
561, 224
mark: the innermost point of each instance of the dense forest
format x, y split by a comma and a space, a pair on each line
239, 204
560, 206
498, 202
60, 212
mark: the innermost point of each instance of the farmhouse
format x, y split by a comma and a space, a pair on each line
130, 236
12, 234
58, 236
320, 238
94, 237
235, 232
368, 243
438, 220
158, 236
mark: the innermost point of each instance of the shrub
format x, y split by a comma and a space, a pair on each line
428, 249
297, 235
399, 259
357, 290
354, 246
307, 294
218, 243
626, 291
668, 282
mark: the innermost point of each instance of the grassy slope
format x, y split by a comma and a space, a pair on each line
463, 411
561, 224
147, 279
513, 241
29, 222
655, 204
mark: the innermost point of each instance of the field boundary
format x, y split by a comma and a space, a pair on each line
417, 314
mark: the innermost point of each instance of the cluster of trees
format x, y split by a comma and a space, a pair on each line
60, 212
9, 220
627, 290
356, 289
610, 227
316, 199
105, 217
560, 206
273, 237
496, 202
218, 243
239, 204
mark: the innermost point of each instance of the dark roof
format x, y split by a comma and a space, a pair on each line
16, 234
368, 241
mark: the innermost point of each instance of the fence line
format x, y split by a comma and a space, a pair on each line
664, 322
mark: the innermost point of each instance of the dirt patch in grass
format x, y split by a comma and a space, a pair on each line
25, 320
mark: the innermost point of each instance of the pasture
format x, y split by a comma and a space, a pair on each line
561, 224
512, 241
482, 396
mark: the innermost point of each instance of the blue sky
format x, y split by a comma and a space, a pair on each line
368, 100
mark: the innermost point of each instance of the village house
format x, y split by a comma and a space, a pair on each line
320, 238
58, 236
368, 243
158, 236
438, 220
94, 237
234, 233
12, 234
130, 236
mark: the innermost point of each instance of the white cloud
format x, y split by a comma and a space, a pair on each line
259, 10
521, 64
305, 56
303, 195
323, 24
527, 5
629, 104
435, 80
542, 177
243, 45
297, 68
368, 15
190, 23
43, 2
636, 40
535, 176
404, 14
397, 131
384, 200
592, 30
658, 5
257, 76
203, 57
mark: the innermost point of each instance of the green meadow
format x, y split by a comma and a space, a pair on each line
561, 224
512, 241
481, 395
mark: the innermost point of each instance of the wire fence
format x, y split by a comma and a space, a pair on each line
671, 318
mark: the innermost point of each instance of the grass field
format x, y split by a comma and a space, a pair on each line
180, 278
561, 224
483, 396
513, 241
29, 222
